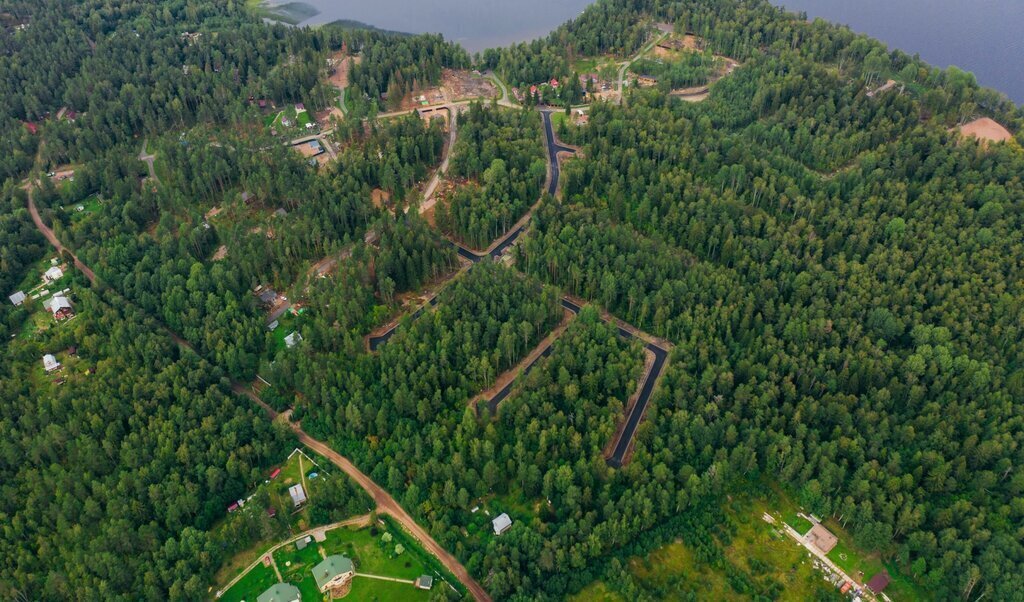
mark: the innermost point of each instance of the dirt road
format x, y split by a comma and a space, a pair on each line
47, 232
385, 503
428, 193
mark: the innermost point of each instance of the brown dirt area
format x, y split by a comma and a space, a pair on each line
455, 85
339, 72
987, 130
379, 197
221, 253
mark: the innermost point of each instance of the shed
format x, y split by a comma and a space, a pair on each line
302, 542
280, 592
821, 538
53, 274
298, 495
50, 363
17, 298
274, 473
501, 523
333, 571
292, 339
879, 581
424, 582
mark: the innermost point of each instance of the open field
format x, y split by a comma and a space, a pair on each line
756, 559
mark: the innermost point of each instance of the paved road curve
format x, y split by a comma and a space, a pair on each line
646, 389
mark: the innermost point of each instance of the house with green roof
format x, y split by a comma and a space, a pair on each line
281, 592
334, 571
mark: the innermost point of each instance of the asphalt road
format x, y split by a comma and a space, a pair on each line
646, 389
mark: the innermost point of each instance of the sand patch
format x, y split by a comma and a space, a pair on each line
221, 253
986, 130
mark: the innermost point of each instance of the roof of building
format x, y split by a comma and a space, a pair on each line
879, 581
298, 494
822, 538
268, 295
302, 542
501, 522
330, 568
56, 303
424, 582
292, 339
18, 298
280, 592
54, 273
50, 362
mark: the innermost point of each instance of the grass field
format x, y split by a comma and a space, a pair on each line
758, 560
252, 585
370, 556
365, 589
800, 524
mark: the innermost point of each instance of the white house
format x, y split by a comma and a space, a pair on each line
298, 495
501, 523
50, 363
292, 339
17, 298
53, 274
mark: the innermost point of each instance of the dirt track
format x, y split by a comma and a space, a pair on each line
47, 232
385, 503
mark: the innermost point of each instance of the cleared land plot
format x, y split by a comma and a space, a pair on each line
987, 130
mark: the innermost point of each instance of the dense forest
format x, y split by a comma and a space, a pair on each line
500, 155
839, 273
118, 475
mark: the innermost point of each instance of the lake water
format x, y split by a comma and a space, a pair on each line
980, 36
476, 24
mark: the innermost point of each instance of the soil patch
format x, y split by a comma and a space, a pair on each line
986, 130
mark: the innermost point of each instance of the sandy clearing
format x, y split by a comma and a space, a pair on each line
986, 129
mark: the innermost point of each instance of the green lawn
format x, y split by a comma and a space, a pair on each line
90, 205
375, 590
303, 118
370, 556
800, 524
252, 585
860, 565
296, 564
308, 589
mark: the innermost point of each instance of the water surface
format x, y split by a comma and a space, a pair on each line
980, 36
476, 24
